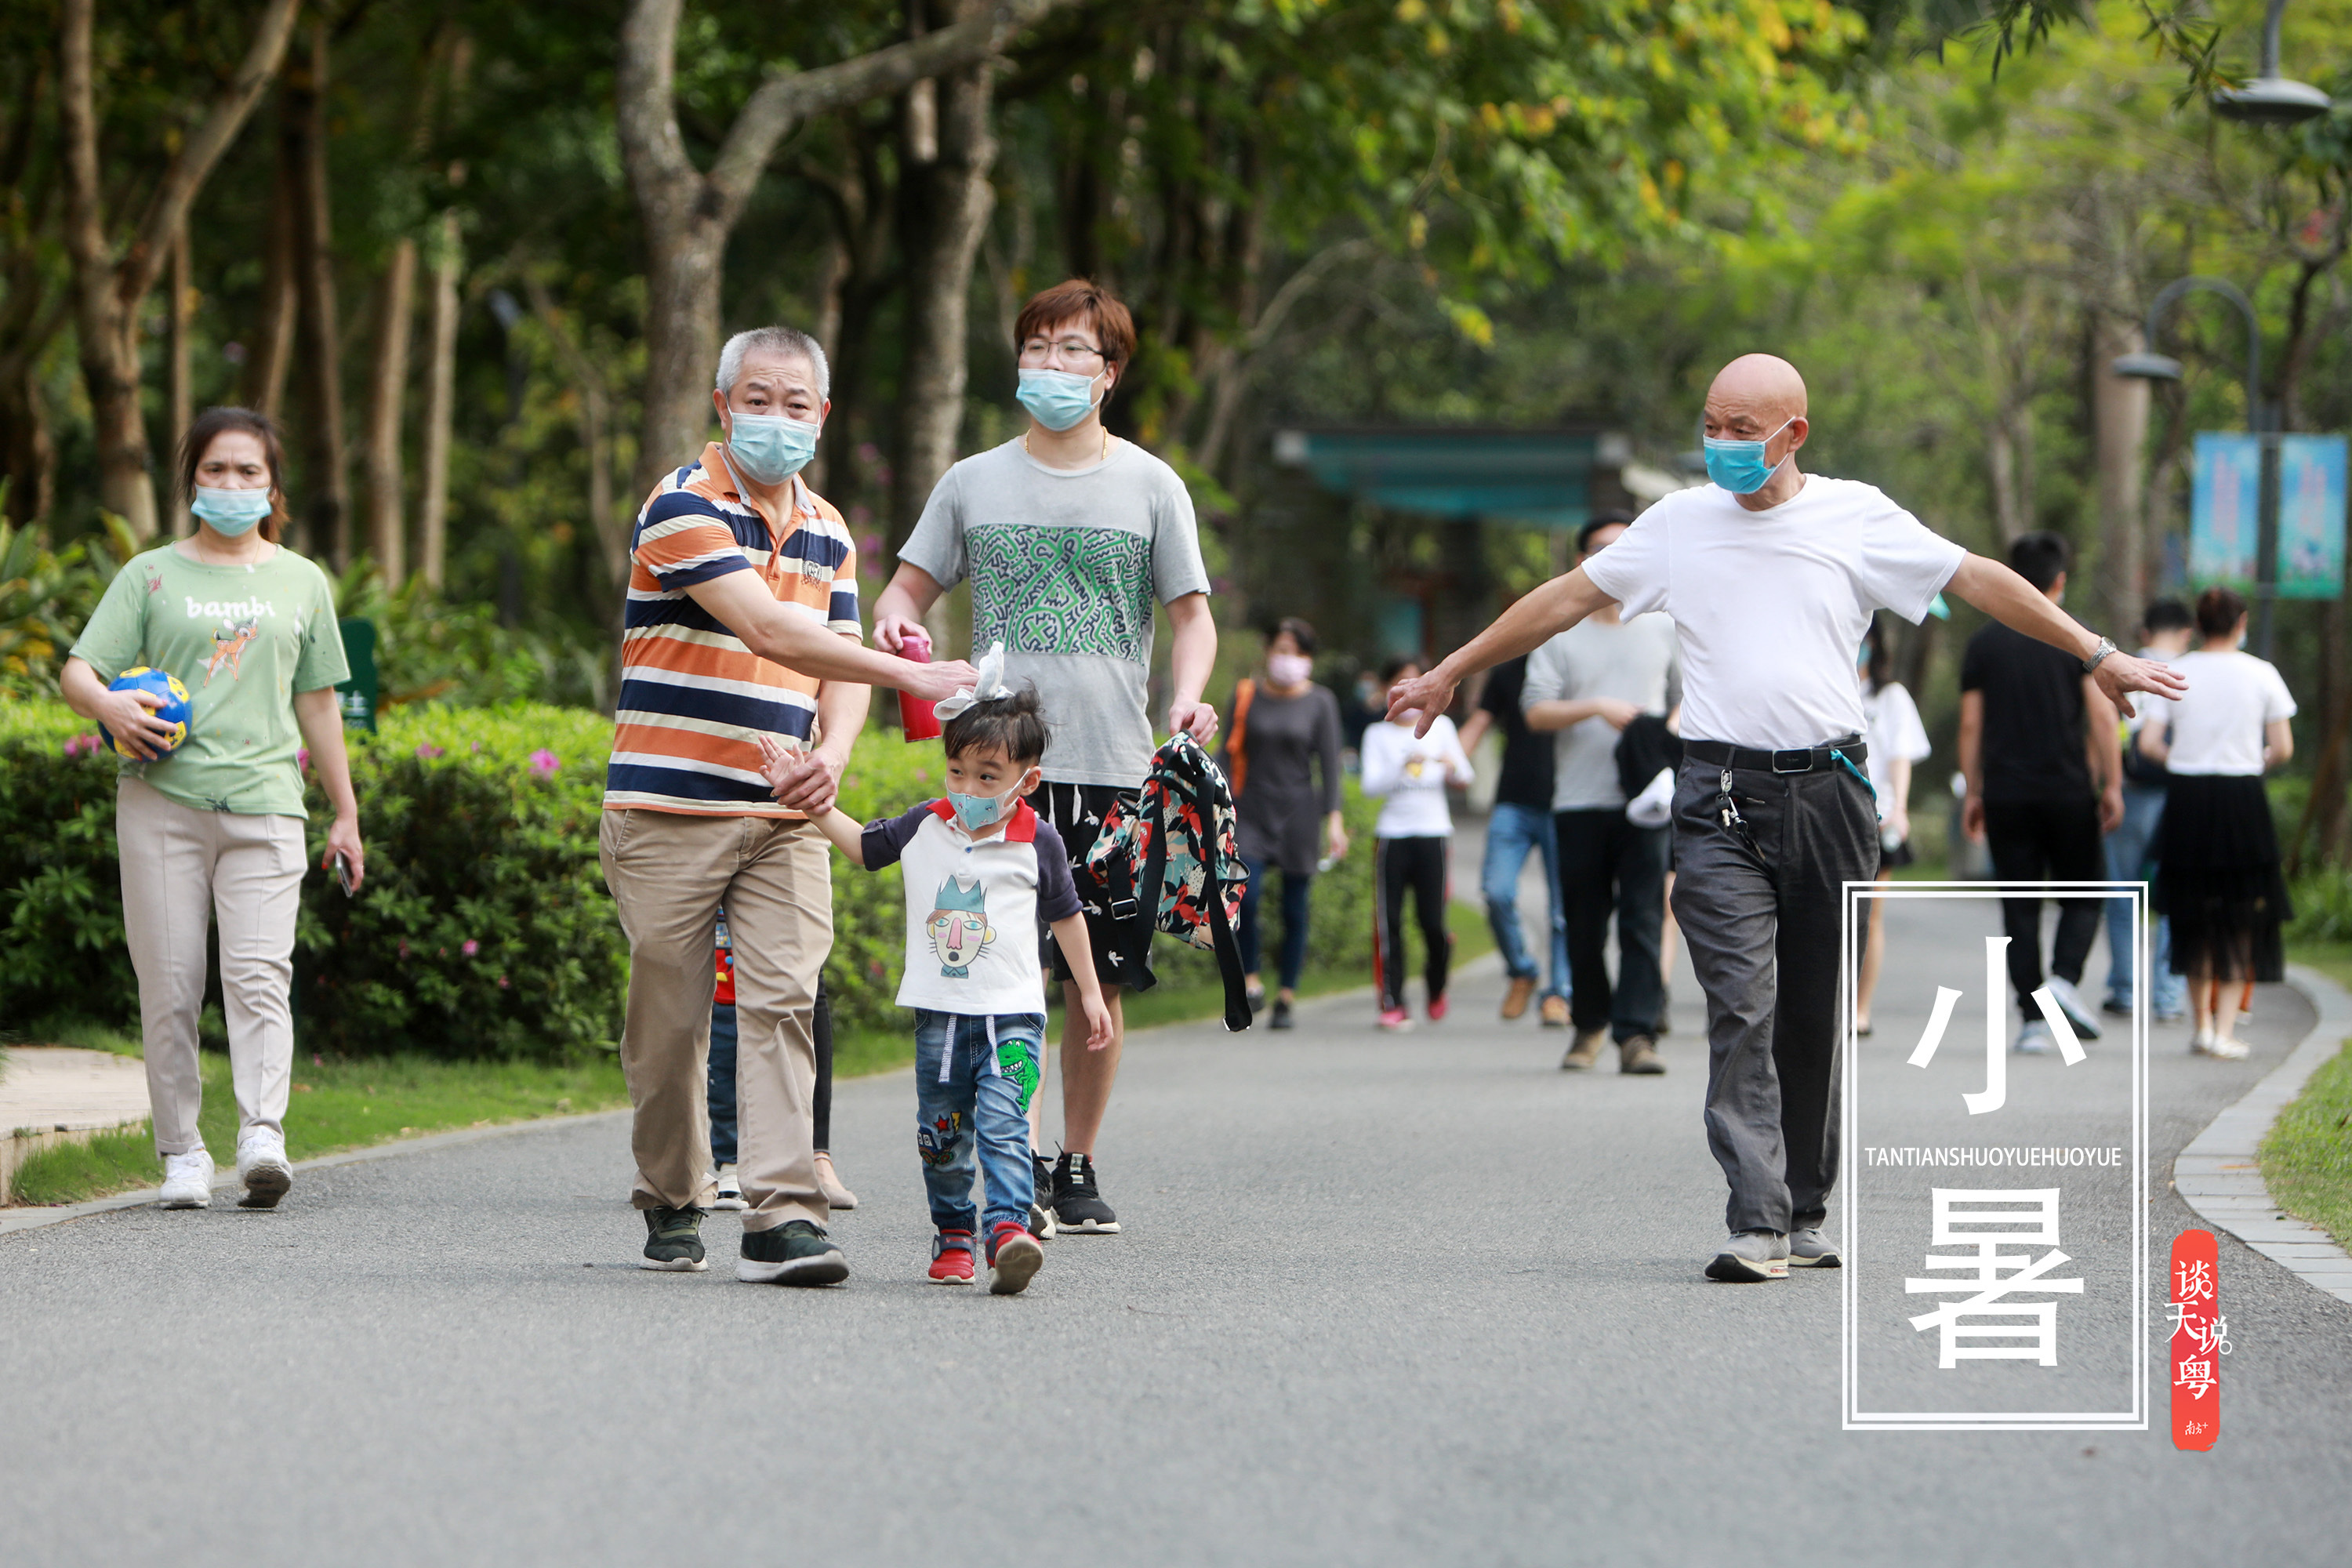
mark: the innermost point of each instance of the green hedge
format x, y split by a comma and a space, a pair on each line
484, 929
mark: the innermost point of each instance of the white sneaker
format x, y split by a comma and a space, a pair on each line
187, 1180
731, 1190
2228, 1048
261, 1168
2070, 1002
2034, 1039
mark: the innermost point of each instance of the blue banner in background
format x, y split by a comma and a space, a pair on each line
2311, 517
2225, 508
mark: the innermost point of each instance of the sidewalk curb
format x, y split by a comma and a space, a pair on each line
13, 1221
2217, 1174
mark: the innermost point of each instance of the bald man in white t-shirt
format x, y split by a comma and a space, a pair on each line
1771, 577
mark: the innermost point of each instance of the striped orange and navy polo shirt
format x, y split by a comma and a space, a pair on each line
694, 700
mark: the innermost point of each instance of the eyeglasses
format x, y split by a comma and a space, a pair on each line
1070, 350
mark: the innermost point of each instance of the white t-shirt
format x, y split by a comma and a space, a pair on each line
1632, 660
1413, 773
973, 905
1891, 727
1770, 604
2216, 727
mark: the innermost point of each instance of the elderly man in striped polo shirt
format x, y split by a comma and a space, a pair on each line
743, 622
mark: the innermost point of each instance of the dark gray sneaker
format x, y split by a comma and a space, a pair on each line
794, 1253
1078, 1208
1751, 1257
1809, 1249
674, 1241
1041, 1197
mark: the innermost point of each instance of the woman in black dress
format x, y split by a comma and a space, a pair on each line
1285, 729
2217, 869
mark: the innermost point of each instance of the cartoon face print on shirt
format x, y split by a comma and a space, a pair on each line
229, 643
958, 926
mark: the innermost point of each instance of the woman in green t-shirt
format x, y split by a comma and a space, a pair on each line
212, 831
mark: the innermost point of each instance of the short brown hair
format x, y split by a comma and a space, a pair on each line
213, 423
2219, 611
1083, 301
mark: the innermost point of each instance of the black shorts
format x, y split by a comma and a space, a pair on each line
1077, 812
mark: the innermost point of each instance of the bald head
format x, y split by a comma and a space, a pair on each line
1753, 395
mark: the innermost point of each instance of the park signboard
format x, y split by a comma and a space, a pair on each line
2311, 517
2225, 512
1995, 1222
2225, 508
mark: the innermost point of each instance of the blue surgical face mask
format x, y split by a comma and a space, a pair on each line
978, 811
770, 447
230, 512
1058, 399
1740, 465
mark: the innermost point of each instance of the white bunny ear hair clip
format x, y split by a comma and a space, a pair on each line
989, 688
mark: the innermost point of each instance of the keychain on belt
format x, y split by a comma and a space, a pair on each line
1727, 810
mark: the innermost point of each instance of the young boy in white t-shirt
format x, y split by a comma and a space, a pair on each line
981, 868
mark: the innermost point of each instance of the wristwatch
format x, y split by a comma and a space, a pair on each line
2106, 646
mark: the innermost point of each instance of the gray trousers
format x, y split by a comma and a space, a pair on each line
1761, 922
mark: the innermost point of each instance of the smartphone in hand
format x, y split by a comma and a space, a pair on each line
343, 874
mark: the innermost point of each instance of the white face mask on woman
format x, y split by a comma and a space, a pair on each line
1287, 670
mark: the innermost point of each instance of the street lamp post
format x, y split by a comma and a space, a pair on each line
2260, 416
2271, 99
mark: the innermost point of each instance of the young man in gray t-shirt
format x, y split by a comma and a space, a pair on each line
1585, 685
1070, 536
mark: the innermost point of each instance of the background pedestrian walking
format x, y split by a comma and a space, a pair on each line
2042, 753
1586, 688
1519, 824
1413, 851
2165, 634
211, 833
2217, 873
1896, 740
1281, 755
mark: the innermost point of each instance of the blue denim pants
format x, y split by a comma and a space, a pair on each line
1292, 958
1511, 832
2129, 849
719, 1085
974, 1078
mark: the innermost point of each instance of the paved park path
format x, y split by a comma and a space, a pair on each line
1379, 1299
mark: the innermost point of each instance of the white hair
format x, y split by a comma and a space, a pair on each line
785, 341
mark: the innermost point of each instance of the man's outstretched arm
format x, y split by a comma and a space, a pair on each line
1536, 619
2017, 604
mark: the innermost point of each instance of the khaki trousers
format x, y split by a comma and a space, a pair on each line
669, 874
183, 872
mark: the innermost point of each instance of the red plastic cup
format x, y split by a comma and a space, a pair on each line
916, 717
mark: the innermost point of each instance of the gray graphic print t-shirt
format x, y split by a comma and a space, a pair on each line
1065, 565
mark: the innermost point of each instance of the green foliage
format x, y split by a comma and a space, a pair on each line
61, 947
46, 595
2306, 1157
2323, 906
440, 649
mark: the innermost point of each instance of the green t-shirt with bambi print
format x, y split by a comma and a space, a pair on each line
243, 640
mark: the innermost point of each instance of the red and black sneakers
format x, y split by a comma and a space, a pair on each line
1014, 1259
952, 1258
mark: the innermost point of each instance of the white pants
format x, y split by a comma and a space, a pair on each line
184, 869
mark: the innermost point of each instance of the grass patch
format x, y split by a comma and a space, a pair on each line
2306, 1158
1189, 992
2333, 959
337, 1104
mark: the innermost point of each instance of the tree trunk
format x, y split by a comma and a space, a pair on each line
329, 514
687, 215
180, 395
387, 384
2119, 430
950, 201
440, 405
271, 355
110, 293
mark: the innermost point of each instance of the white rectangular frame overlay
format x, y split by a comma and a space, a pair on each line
1848, 960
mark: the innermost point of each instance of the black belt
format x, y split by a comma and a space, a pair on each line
1794, 760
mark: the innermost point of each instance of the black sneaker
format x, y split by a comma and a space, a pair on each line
1078, 1206
674, 1241
1256, 1001
794, 1253
1281, 1015
1041, 1197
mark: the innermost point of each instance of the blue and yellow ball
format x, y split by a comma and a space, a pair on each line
177, 709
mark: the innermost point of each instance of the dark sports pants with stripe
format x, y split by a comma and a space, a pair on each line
1419, 867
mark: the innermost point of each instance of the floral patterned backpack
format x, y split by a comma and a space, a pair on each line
1176, 846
